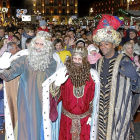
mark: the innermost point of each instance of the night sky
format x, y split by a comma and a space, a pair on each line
83, 6
17, 3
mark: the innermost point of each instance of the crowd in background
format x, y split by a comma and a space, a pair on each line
65, 37
14, 38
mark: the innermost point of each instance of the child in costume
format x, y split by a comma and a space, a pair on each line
93, 55
43, 26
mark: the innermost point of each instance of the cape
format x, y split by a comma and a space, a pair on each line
50, 130
10, 101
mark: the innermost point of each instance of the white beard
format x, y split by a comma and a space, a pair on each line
38, 61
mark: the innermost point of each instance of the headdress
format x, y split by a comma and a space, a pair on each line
80, 51
44, 34
106, 30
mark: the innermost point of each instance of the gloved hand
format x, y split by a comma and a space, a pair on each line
89, 121
127, 69
61, 76
19, 54
5, 60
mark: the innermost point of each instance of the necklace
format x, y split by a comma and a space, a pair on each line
78, 92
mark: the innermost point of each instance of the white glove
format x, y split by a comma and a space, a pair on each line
5, 60
19, 54
89, 121
61, 76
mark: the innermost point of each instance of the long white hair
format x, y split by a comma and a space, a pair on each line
39, 61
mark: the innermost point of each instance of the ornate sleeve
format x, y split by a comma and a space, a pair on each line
16, 69
55, 91
128, 68
54, 96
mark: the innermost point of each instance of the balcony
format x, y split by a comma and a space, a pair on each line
55, 13
48, 14
63, 14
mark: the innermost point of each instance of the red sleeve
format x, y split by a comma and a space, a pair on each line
138, 33
124, 33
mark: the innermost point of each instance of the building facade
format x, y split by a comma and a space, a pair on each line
56, 10
111, 6
4, 10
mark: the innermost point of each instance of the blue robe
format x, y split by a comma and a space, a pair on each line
29, 100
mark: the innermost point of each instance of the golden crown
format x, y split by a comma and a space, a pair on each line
78, 50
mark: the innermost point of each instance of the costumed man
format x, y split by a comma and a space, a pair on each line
118, 77
11, 87
33, 70
75, 87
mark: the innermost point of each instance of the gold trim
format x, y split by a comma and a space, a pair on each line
112, 96
99, 71
78, 92
40, 78
76, 124
55, 91
119, 100
112, 60
100, 63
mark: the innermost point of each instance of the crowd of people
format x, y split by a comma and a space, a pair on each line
66, 82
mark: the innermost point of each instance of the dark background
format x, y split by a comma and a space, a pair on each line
17, 3
83, 6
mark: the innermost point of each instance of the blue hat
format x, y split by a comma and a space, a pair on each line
42, 23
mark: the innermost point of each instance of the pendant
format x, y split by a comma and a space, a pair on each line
78, 92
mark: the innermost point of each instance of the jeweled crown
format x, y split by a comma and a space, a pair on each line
78, 50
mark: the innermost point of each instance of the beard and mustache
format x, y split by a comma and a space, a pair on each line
78, 73
38, 59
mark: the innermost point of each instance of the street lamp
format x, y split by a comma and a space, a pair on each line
128, 1
91, 11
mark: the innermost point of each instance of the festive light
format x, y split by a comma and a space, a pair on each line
4, 10
20, 12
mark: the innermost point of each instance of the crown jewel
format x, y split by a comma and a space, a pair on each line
80, 51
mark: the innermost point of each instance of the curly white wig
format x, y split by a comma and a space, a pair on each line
40, 61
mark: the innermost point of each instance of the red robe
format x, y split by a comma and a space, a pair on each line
75, 106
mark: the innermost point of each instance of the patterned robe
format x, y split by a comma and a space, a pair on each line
75, 106
51, 129
29, 100
115, 99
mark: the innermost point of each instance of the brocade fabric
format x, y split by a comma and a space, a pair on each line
115, 99
75, 106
